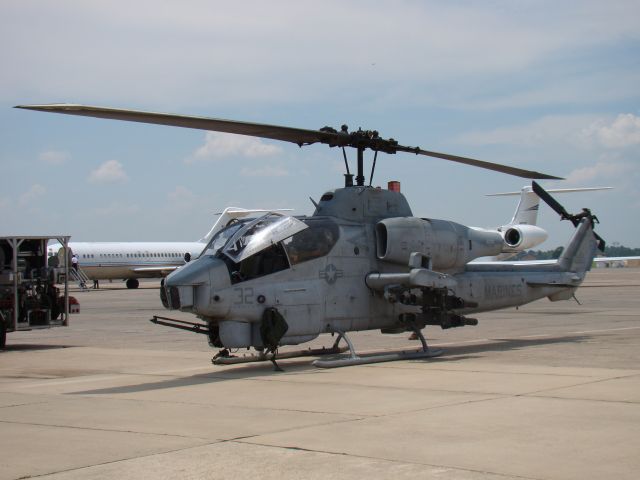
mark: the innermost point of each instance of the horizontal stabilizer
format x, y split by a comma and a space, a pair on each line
553, 190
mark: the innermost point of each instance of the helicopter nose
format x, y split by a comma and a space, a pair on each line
191, 287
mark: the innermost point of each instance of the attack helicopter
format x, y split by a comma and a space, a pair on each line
362, 261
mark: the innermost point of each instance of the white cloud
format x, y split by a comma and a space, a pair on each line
543, 131
181, 198
32, 195
624, 131
54, 157
561, 88
266, 171
233, 57
224, 145
602, 170
110, 171
575, 130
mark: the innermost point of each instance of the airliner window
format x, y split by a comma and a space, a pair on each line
314, 242
260, 234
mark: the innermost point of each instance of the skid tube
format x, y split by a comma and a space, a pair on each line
266, 357
226, 359
354, 359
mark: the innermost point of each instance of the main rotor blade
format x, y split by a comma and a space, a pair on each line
359, 139
275, 132
498, 167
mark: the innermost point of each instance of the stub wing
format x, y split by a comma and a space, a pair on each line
416, 278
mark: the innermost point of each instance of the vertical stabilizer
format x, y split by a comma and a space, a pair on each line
579, 254
527, 210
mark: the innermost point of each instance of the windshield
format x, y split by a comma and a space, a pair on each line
259, 234
221, 237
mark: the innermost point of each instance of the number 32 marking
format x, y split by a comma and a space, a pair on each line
244, 295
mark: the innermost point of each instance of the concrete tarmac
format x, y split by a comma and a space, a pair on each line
548, 391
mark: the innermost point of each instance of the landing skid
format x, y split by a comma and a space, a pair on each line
270, 357
354, 359
224, 358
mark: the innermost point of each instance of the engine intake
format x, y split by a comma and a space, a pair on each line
449, 245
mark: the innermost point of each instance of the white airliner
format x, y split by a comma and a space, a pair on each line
132, 260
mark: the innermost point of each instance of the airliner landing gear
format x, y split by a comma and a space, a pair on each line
132, 283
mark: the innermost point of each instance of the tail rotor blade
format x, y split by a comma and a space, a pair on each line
552, 202
601, 243
560, 210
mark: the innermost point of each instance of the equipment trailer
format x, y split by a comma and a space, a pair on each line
29, 298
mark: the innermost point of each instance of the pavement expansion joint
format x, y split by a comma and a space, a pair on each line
112, 462
28, 404
389, 460
593, 382
94, 429
496, 396
597, 400
209, 404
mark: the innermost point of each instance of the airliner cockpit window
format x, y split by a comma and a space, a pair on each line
260, 234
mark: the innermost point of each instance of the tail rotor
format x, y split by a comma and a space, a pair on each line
565, 215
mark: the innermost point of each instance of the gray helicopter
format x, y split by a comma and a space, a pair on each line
362, 261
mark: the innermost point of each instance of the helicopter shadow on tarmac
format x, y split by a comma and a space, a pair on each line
303, 366
458, 352
31, 347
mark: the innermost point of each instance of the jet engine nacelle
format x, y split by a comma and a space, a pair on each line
448, 245
521, 237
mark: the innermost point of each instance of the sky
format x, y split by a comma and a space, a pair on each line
542, 85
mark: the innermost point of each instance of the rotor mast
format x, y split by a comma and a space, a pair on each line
348, 177
360, 176
361, 140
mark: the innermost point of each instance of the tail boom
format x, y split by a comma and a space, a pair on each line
495, 285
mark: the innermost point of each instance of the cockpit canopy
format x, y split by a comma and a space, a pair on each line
271, 243
261, 233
